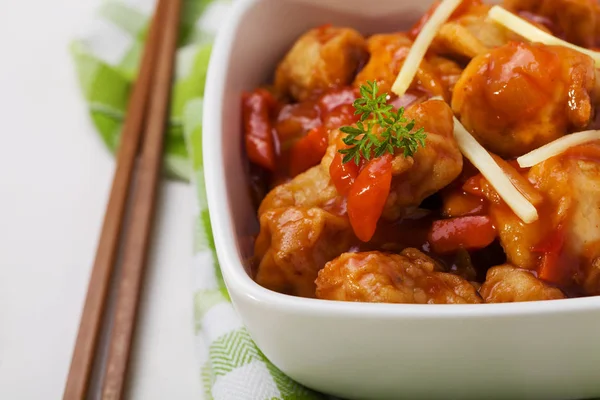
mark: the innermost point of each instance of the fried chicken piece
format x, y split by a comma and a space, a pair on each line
432, 167
570, 213
447, 70
408, 277
577, 20
572, 183
312, 188
388, 52
518, 238
521, 96
471, 34
294, 244
323, 58
507, 284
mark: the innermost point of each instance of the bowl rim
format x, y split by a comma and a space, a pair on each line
240, 284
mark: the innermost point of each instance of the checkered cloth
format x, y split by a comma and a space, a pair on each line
107, 58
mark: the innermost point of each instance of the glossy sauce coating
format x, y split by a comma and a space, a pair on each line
427, 228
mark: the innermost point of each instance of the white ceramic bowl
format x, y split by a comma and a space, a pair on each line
545, 350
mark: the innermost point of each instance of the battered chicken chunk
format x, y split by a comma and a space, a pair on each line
448, 71
577, 20
518, 238
408, 277
470, 34
568, 223
294, 244
312, 188
507, 284
521, 96
323, 58
432, 167
388, 52
572, 183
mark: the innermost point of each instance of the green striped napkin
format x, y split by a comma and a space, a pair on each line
107, 59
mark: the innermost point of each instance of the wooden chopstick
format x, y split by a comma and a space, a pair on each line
144, 200
84, 354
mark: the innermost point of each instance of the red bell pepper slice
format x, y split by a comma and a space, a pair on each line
470, 233
258, 130
368, 195
308, 151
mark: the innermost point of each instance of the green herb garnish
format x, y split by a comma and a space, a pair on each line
395, 129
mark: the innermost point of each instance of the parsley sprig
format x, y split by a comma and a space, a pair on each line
395, 130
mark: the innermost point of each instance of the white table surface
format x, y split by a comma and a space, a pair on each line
54, 180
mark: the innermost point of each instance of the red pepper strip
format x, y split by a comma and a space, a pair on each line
368, 196
343, 175
549, 269
256, 107
470, 233
308, 151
